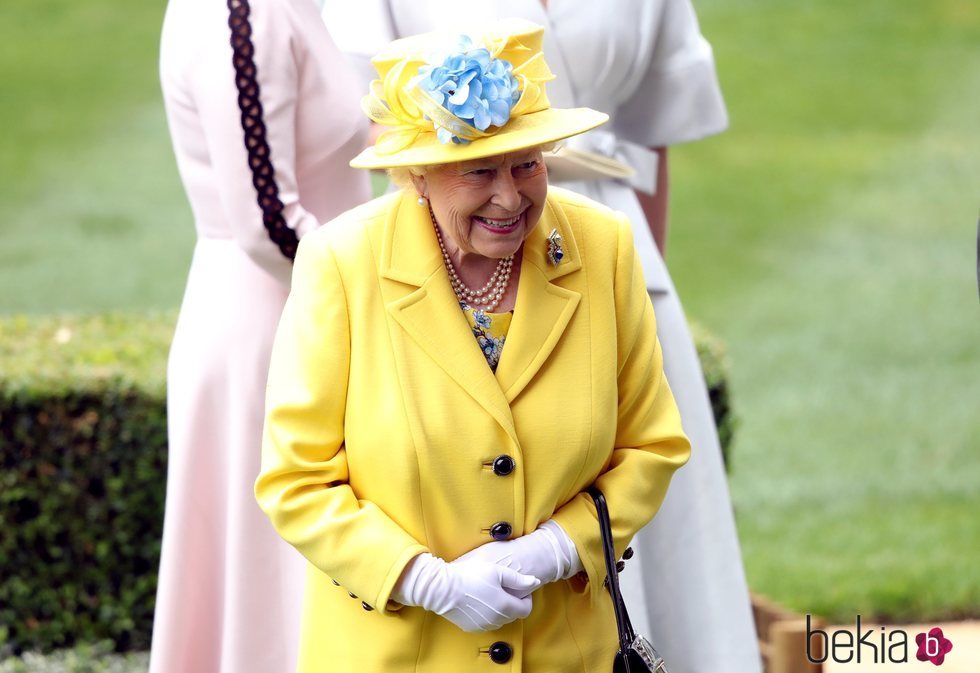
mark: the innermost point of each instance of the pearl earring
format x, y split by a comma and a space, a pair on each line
422, 200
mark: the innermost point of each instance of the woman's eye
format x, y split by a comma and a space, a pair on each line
480, 172
528, 165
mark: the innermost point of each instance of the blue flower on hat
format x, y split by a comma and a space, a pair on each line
472, 86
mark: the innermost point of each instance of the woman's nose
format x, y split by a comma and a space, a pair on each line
505, 194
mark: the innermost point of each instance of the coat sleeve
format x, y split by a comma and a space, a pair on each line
650, 443
303, 484
212, 83
360, 30
676, 97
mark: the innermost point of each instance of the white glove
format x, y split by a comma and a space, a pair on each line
547, 554
474, 595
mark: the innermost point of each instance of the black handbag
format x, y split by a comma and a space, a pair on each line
636, 654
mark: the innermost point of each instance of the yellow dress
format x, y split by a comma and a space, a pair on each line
490, 330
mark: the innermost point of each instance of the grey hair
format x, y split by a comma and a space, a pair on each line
401, 176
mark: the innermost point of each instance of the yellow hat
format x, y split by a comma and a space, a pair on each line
480, 96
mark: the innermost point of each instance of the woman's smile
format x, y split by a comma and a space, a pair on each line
496, 225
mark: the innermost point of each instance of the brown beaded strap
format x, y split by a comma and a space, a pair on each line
263, 176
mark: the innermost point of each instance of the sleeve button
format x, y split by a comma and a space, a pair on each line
501, 530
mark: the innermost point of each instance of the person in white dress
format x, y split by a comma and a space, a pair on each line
230, 590
646, 64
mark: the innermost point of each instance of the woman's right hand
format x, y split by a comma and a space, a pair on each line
474, 595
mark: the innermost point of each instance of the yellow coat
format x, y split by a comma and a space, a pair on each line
383, 421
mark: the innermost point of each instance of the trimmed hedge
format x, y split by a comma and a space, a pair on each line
714, 365
83, 441
83, 470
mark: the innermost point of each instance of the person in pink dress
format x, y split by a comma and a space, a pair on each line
229, 594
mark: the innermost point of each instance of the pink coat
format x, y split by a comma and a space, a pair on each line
229, 589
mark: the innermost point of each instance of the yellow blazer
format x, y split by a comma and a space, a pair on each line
384, 420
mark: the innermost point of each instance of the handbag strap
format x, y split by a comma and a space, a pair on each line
623, 625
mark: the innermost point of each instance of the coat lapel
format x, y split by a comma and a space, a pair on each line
543, 309
428, 311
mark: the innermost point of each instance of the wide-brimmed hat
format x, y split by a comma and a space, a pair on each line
449, 98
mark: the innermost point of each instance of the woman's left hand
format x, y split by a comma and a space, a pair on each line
547, 554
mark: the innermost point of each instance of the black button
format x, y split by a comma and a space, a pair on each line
501, 530
501, 652
503, 465
366, 606
335, 583
351, 594
628, 554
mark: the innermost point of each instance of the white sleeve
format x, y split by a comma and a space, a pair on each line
678, 97
214, 91
360, 28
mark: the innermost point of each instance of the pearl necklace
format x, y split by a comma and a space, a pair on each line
489, 295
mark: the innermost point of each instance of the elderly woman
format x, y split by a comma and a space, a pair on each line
456, 364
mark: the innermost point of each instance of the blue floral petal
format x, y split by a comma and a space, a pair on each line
499, 112
444, 136
481, 117
471, 85
467, 76
482, 57
460, 96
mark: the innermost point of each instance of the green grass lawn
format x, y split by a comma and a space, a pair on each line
828, 237
92, 214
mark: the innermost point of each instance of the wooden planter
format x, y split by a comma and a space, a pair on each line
782, 638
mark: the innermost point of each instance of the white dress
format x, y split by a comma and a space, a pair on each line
646, 64
230, 589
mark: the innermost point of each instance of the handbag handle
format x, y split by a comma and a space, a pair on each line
623, 625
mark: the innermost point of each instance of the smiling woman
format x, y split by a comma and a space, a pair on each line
503, 332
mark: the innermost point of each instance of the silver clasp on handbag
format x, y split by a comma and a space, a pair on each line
649, 655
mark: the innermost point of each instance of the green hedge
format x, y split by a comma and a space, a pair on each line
714, 364
82, 475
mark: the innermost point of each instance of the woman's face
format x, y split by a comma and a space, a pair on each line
488, 206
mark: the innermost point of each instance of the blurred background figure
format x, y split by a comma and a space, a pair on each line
229, 589
646, 64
